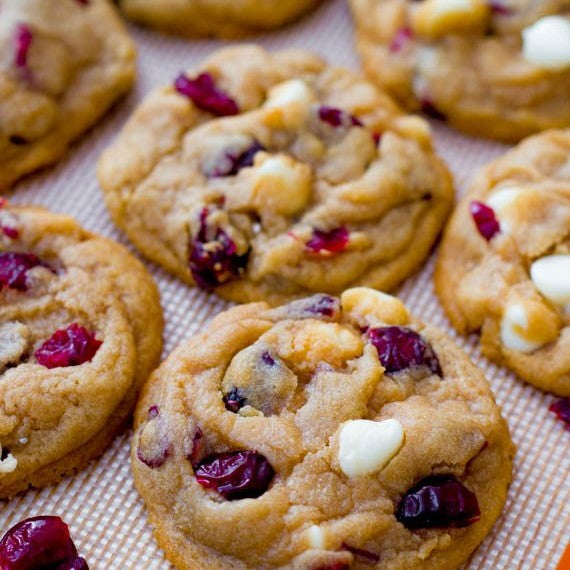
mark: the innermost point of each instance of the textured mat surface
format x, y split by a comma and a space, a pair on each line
106, 516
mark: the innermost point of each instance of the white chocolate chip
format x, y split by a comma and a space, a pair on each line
367, 447
501, 200
8, 464
281, 184
371, 303
551, 276
547, 43
293, 91
316, 537
523, 332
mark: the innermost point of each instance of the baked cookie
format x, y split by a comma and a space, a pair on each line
62, 64
225, 18
323, 434
264, 177
493, 68
504, 264
80, 330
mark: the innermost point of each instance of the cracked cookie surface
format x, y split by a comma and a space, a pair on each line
62, 65
80, 330
493, 68
267, 176
504, 265
224, 18
316, 435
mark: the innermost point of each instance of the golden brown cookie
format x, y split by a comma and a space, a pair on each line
493, 68
62, 65
224, 18
267, 176
80, 330
504, 265
323, 434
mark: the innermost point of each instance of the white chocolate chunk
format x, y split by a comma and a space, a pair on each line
546, 43
514, 325
293, 91
8, 464
501, 200
371, 303
367, 447
551, 276
281, 184
316, 537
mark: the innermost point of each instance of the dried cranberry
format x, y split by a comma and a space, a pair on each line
485, 219
14, 268
205, 95
236, 474
438, 502
324, 306
365, 555
23, 43
499, 7
155, 449
39, 543
197, 448
232, 163
337, 117
429, 108
377, 137
268, 359
400, 348
333, 241
335, 566
234, 401
401, 39
214, 259
71, 346
562, 410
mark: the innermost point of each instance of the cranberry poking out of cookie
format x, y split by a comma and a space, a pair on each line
338, 431
284, 177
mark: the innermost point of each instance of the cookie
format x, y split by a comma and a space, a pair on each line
497, 69
80, 331
504, 265
268, 176
224, 18
322, 434
62, 65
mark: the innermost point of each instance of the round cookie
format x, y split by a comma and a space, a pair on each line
222, 18
498, 69
80, 331
323, 434
62, 65
504, 263
266, 176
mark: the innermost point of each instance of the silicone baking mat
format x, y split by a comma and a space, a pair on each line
107, 517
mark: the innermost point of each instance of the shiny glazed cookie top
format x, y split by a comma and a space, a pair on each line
57, 60
270, 175
336, 431
499, 68
504, 267
68, 339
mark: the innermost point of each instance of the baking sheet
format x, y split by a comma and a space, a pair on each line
107, 517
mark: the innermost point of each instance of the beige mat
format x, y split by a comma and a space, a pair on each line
108, 519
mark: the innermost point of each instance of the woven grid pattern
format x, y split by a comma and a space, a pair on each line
107, 517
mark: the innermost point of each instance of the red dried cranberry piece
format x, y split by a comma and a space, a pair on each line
562, 410
337, 117
335, 566
438, 502
499, 7
214, 259
365, 555
401, 39
23, 42
333, 241
485, 219
155, 455
71, 346
39, 543
400, 348
234, 401
236, 474
267, 359
14, 268
430, 109
232, 163
197, 448
205, 95
323, 305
